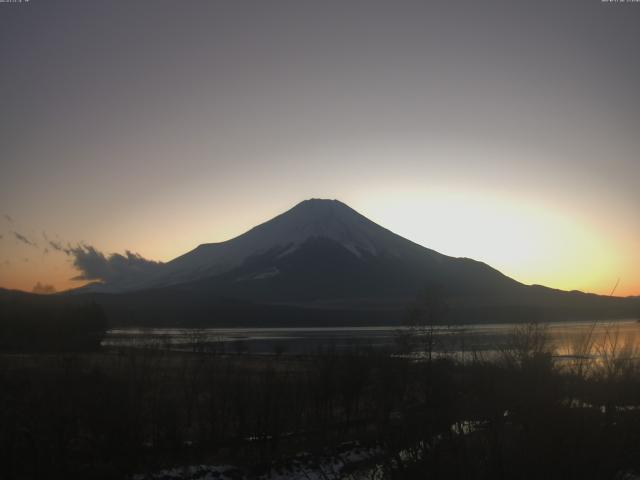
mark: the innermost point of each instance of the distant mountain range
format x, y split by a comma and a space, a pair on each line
322, 262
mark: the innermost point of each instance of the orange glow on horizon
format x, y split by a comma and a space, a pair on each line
532, 244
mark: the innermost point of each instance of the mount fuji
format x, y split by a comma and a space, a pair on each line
310, 250
323, 259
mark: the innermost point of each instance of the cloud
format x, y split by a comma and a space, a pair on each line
8, 218
24, 239
43, 288
95, 265
56, 245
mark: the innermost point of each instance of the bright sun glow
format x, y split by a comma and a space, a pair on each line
532, 245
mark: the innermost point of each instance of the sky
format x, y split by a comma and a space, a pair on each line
504, 131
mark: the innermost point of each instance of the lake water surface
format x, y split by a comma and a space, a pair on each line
567, 338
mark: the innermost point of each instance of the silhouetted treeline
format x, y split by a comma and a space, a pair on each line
178, 306
111, 414
33, 323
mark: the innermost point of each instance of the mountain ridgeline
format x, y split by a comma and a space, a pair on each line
49, 323
323, 263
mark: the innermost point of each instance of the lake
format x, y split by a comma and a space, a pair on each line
568, 338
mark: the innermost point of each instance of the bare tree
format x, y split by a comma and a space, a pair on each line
422, 321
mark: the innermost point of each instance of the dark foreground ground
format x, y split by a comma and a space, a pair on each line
366, 414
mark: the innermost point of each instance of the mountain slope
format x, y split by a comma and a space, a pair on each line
319, 248
322, 263
312, 219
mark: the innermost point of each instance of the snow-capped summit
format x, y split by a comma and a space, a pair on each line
319, 218
319, 249
309, 219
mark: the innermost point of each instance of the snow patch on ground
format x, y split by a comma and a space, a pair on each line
327, 467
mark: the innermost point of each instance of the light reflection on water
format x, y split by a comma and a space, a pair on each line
568, 339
